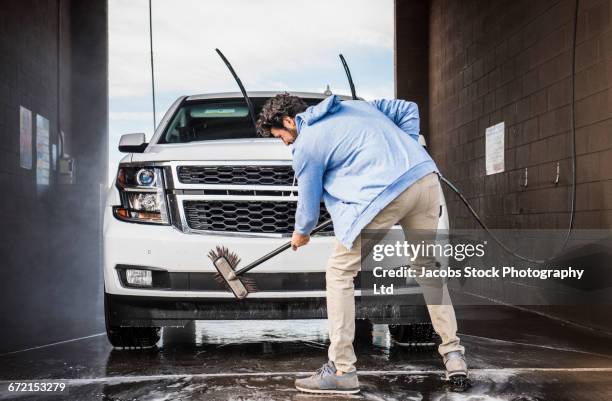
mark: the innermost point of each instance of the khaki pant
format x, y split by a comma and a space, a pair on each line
417, 208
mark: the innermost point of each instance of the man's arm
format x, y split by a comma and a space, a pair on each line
403, 113
309, 172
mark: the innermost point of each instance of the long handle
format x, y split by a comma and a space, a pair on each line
278, 250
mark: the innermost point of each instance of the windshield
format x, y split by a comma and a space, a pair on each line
213, 119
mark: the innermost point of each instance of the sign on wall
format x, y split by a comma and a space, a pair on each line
54, 156
42, 151
494, 149
25, 138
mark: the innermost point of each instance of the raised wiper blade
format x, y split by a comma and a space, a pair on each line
348, 75
244, 93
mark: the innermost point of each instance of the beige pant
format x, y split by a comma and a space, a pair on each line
417, 207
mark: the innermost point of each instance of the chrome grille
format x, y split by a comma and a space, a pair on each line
267, 217
236, 175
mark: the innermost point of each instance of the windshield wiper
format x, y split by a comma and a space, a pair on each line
348, 75
244, 93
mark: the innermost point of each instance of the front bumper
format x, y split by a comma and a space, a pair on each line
291, 285
183, 257
161, 311
183, 269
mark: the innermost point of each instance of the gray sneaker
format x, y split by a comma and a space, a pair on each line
325, 381
455, 365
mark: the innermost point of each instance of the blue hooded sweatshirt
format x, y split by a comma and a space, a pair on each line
357, 156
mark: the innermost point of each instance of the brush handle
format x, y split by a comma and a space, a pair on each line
278, 250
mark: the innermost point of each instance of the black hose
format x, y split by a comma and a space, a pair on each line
483, 225
573, 126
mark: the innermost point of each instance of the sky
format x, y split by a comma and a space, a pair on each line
272, 44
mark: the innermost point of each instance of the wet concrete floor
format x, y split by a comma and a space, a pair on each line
513, 355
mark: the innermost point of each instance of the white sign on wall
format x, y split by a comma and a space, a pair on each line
494, 149
25, 138
42, 151
54, 156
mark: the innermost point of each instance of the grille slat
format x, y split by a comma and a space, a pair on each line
236, 175
245, 216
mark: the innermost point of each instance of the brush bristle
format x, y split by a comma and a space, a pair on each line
233, 259
222, 252
248, 282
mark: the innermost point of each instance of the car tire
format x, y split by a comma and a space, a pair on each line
363, 331
129, 337
414, 334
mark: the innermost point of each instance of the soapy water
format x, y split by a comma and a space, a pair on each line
226, 332
258, 360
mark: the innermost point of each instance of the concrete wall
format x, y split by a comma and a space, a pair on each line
412, 54
55, 64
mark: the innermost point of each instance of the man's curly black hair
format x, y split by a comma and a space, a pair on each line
273, 111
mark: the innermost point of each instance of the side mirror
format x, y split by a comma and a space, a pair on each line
132, 143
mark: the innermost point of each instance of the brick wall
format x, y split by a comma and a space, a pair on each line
511, 61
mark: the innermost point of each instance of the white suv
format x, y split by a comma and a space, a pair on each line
204, 180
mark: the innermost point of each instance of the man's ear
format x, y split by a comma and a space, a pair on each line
288, 122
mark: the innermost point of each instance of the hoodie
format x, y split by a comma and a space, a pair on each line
357, 157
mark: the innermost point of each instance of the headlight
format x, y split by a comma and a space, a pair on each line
146, 177
149, 202
143, 199
139, 277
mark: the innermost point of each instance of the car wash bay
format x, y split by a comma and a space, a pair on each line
469, 65
259, 360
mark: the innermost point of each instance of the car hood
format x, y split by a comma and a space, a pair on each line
230, 149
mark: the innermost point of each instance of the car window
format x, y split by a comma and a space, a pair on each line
214, 119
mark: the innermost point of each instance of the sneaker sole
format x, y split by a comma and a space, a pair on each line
455, 374
315, 391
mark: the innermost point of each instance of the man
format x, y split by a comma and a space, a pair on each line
364, 160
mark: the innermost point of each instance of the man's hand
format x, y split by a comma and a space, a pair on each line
298, 240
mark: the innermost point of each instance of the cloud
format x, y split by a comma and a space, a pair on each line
130, 115
263, 39
272, 44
